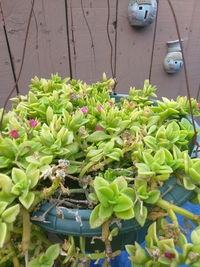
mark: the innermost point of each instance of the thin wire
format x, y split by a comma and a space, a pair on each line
109, 39
115, 55
68, 39
90, 32
22, 63
9, 49
154, 40
185, 71
73, 37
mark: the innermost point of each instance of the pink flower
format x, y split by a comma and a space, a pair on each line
33, 123
131, 105
99, 128
14, 134
198, 105
84, 110
100, 107
170, 255
110, 103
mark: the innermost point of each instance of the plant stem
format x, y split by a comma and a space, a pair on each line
26, 233
76, 191
105, 239
167, 206
15, 259
86, 168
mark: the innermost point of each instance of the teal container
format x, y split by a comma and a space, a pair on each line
65, 222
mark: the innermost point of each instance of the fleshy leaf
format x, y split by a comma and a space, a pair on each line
18, 175
125, 215
129, 192
153, 197
33, 177
53, 252
195, 236
140, 213
3, 206
160, 156
121, 183
95, 220
3, 232
105, 212
5, 183
28, 200
123, 203
97, 136
10, 214
104, 194
99, 182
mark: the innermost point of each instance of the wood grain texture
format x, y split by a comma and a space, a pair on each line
47, 50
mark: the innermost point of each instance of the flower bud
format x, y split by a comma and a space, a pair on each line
99, 128
110, 103
14, 134
100, 107
84, 110
33, 123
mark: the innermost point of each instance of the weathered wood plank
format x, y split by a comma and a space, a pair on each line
46, 51
171, 85
6, 77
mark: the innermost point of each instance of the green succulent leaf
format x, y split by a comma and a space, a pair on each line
188, 184
97, 136
195, 236
140, 213
121, 183
95, 219
5, 183
10, 214
104, 194
3, 232
33, 178
47, 259
18, 175
194, 175
114, 188
148, 159
3, 206
182, 240
27, 201
160, 156
105, 212
99, 182
153, 197
129, 192
123, 203
125, 215
53, 251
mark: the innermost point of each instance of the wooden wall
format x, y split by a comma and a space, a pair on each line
47, 50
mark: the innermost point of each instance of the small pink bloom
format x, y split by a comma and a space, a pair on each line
169, 255
110, 103
33, 123
99, 128
14, 134
198, 105
131, 105
100, 107
84, 110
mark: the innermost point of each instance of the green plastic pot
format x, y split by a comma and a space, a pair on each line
65, 222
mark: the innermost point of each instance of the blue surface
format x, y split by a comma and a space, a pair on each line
122, 259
